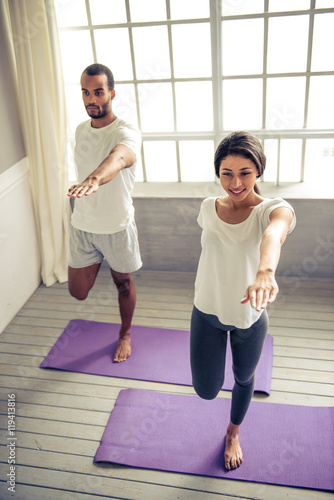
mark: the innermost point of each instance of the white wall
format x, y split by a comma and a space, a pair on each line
11, 139
19, 253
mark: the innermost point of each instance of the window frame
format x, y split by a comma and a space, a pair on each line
216, 21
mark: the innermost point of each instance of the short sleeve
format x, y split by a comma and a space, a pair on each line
80, 128
130, 137
200, 216
206, 207
278, 203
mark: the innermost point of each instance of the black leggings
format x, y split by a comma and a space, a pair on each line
208, 341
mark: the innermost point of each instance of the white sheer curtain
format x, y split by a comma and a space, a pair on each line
34, 35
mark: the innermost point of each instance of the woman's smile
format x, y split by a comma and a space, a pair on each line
237, 192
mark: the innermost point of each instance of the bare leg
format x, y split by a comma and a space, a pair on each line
127, 303
233, 453
81, 280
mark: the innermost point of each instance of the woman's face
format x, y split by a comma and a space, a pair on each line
237, 176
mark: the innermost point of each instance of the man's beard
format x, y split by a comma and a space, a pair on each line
102, 111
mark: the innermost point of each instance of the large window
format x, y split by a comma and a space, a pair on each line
188, 72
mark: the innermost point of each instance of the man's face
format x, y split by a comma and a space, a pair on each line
96, 95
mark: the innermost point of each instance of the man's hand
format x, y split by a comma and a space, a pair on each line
88, 186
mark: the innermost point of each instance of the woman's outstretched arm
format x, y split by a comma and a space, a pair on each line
264, 288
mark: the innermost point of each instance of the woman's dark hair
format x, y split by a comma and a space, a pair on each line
100, 69
241, 144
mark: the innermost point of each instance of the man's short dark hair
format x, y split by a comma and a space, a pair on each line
100, 69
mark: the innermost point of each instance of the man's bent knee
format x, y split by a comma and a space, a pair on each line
81, 280
77, 294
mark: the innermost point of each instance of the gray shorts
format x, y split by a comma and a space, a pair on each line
121, 250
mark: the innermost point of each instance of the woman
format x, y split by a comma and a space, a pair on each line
241, 243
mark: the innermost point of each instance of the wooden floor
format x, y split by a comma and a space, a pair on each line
61, 416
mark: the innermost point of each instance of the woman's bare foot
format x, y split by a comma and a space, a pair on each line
233, 453
123, 349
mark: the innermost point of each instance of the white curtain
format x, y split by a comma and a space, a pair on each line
34, 36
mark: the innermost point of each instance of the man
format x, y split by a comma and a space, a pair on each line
102, 224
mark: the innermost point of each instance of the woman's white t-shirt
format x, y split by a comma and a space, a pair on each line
229, 261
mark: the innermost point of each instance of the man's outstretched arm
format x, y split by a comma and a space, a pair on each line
120, 157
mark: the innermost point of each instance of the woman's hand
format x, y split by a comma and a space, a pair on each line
262, 291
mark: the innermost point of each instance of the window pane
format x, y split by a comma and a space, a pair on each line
191, 50
288, 5
235, 8
324, 4
118, 61
321, 102
290, 160
107, 12
76, 112
160, 161
139, 170
242, 104
189, 9
196, 159
194, 106
285, 103
271, 152
323, 39
147, 10
287, 53
74, 60
151, 52
319, 157
124, 103
156, 107
71, 13
246, 38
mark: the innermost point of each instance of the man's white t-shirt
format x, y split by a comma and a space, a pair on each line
110, 209
229, 261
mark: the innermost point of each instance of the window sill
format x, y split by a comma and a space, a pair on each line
301, 190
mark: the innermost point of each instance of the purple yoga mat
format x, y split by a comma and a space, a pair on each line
158, 354
282, 444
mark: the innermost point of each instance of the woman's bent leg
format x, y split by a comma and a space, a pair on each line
207, 354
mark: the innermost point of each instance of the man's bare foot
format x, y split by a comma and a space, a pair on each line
123, 349
233, 452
